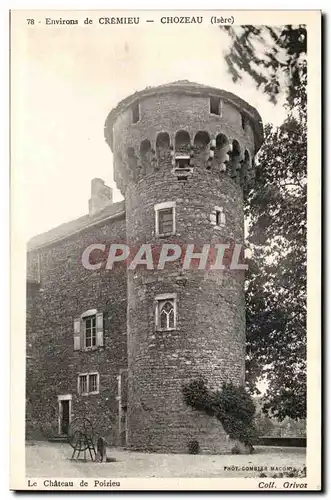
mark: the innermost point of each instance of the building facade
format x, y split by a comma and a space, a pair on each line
117, 345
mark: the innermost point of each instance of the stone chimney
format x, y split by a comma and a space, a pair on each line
101, 196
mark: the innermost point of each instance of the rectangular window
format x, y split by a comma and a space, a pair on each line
243, 121
165, 312
88, 383
165, 219
182, 166
215, 105
90, 331
183, 162
217, 217
135, 113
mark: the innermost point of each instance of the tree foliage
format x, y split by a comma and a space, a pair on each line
276, 209
276, 288
273, 56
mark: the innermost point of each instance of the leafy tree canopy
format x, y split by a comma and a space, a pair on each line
273, 56
276, 211
276, 285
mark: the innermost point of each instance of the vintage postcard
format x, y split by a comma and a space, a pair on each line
165, 280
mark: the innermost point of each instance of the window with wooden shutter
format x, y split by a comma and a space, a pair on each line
76, 334
99, 320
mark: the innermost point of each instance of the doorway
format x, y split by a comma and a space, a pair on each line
64, 403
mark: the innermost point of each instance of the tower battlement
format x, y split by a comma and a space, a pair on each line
181, 128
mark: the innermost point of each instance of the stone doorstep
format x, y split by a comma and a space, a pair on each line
63, 438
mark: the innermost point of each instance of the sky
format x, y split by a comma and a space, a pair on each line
65, 81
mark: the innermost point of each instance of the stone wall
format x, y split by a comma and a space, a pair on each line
209, 338
210, 335
66, 291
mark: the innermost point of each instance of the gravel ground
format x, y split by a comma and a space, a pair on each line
45, 459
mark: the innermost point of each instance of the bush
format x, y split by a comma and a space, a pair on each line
232, 405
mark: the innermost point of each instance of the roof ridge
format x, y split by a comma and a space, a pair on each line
66, 229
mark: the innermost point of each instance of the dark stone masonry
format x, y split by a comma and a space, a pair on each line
117, 345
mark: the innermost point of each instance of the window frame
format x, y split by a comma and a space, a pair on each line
88, 375
160, 299
183, 158
92, 374
182, 172
79, 390
84, 319
157, 209
214, 218
243, 121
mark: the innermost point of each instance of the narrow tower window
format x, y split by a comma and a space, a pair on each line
243, 121
217, 217
135, 113
165, 313
166, 221
90, 331
215, 107
165, 218
183, 161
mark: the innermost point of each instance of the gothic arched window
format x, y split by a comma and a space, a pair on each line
167, 315
166, 312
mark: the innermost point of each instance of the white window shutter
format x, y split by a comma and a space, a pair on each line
99, 324
77, 334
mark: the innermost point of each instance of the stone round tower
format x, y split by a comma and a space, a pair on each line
183, 157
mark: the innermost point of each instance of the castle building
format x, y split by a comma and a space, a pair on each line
116, 345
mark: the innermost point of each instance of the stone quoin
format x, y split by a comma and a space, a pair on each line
117, 347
